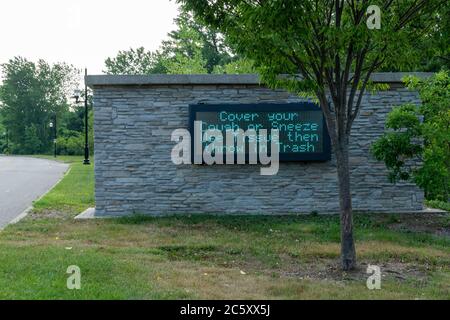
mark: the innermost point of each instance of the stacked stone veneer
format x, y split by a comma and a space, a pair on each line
135, 116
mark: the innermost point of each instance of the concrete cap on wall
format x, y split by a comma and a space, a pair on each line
216, 79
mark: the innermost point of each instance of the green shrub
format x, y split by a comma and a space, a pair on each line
438, 205
71, 146
417, 144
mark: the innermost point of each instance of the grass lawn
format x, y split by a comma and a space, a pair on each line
210, 257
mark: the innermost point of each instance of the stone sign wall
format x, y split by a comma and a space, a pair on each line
134, 117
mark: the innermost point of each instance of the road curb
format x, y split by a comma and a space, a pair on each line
30, 208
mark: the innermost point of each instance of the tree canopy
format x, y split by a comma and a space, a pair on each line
190, 49
432, 51
417, 144
31, 96
135, 61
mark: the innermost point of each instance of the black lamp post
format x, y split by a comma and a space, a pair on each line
7, 140
5, 134
86, 125
53, 126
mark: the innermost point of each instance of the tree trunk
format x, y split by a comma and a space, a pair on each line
348, 255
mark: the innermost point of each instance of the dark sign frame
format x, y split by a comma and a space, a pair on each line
325, 155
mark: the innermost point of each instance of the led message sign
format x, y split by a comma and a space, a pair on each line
302, 132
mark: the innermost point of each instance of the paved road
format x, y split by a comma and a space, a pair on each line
23, 180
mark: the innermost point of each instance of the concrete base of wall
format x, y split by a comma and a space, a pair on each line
87, 214
90, 213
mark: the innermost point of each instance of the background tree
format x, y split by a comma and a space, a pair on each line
3, 138
191, 48
240, 66
431, 52
329, 44
135, 61
417, 145
71, 138
437, 48
31, 96
192, 38
183, 52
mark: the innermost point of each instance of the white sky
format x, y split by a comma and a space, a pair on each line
84, 32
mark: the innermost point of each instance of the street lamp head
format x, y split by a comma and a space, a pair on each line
51, 124
76, 95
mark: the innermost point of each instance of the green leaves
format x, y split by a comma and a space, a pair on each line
240, 66
412, 140
405, 117
134, 61
396, 147
190, 49
31, 95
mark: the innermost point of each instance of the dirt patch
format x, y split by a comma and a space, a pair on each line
47, 214
432, 223
331, 270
